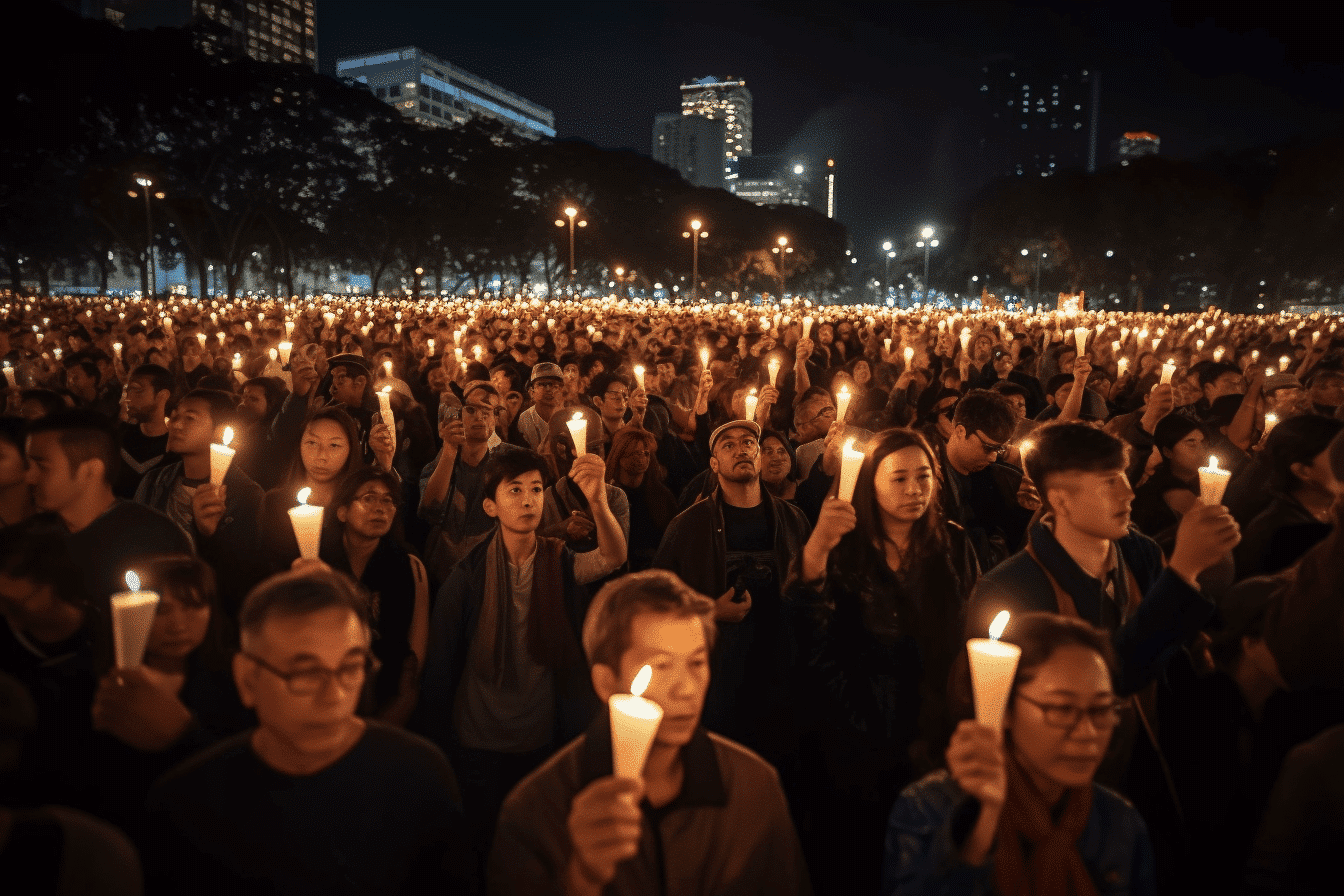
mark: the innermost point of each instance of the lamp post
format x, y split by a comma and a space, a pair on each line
1039, 256
695, 235
624, 278
888, 254
781, 250
571, 213
150, 274
926, 244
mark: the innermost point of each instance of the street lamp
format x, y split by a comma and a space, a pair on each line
571, 213
150, 274
1039, 256
695, 235
888, 255
926, 244
781, 250
624, 278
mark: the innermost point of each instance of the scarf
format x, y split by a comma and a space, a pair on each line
551, 641
1055, 868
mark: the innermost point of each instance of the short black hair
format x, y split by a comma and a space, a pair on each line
14, 430
350, 485
160, 377
1069, 447
1005, 388
1297, 440
84, 435
1172, 428
510, 370
275, 390
301, 593
981, 410
506, 464
223, 408
603, 381
52, 402
1209, 373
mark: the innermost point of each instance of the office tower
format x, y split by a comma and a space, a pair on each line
1038, 121
728, 101
691, 144
266, 30
769, 180
1135, 145
434, 92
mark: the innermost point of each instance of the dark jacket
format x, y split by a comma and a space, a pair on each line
931, 820
727, 832
993, 519
1170, 611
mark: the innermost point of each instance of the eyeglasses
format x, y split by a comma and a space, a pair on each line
990, 447
475, 411
1067, 716
376, 499
824, 412
307, 682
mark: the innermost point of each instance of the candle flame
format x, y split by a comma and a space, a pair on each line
844, 391
578, 416
998, 625
132, 581
849, 445
1213, 465
641, 682
304, 494
387, 390
228, 436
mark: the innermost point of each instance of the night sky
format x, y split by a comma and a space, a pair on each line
888, 90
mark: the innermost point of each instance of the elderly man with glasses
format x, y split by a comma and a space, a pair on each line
315, 798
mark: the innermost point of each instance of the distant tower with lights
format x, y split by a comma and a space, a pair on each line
1037, 121
727, 100
693, 145
1135, 145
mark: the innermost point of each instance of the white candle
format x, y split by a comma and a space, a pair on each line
639, 375
850, 461
704, 360
221, 456
773, 367
1284, 361
1080, 339
1218, 354
842, 403
1121, 366
807, 326
965, 338
750, 402
307, 522
634, 724
993, 665
886, 345
285, 349
578, 428
385, 408
909, 354
387, 369
429, 346
1271, 421
116, 347
1168, 371
9, 375
200, 337
132, 618
1213, 482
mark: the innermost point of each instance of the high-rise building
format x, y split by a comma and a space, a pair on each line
434, 92
693, 145
1135, 145
1038, 121
266, 30
769, 180
729, 101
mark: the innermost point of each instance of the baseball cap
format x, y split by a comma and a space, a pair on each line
348, 359
734, 424
546, 370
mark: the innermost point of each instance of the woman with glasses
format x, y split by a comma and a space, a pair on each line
371, 553
1017, 811
877, 593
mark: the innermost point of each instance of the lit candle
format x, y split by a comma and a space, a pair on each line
116, 347
1271, 421
909, 354
132, 618
289, 328
1213, 482
1284, 361
385, 408
201, 338
237, 360
387, 369
429, 346
850, 461
1121, 366
704, 360
807, 326
993, 665
965, 338
221, 456
9, 375
773, 367
1255, 355
1168, 371
886, 345
1080, 339
285, 349
578, 428
639, 375
307, 522
842, 403
750, 402
634, 724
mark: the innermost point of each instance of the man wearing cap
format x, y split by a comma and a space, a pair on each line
547, 391
735, 546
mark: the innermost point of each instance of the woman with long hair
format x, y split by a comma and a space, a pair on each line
328, 452
632, 467
1017, 812
880, 589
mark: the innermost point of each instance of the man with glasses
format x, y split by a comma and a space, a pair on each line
547, 391
736, 546
980, 492
315, 798
612, 396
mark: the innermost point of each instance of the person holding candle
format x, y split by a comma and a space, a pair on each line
143, 434
737, 544
546, 389
1173, 488
879, 590
707, 816
505, 677
1018, 812
314, 797
222, 519
612, 397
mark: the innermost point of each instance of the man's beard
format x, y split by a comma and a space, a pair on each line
740, 474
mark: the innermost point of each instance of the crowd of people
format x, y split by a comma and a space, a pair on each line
524, 503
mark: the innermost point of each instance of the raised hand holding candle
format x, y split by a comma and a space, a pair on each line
909, 355
773, 367
750, 402
704, 359
132, 618
221, 456
1168, 371
1121, 366
1080, 339
807, 326
385, 408
965, 338
850, 461
1271, 421
634, 724
578, 428
307, 522
993, 665
639, 375
1213, 482
842, 403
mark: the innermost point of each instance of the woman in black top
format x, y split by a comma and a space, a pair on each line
1161, 501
